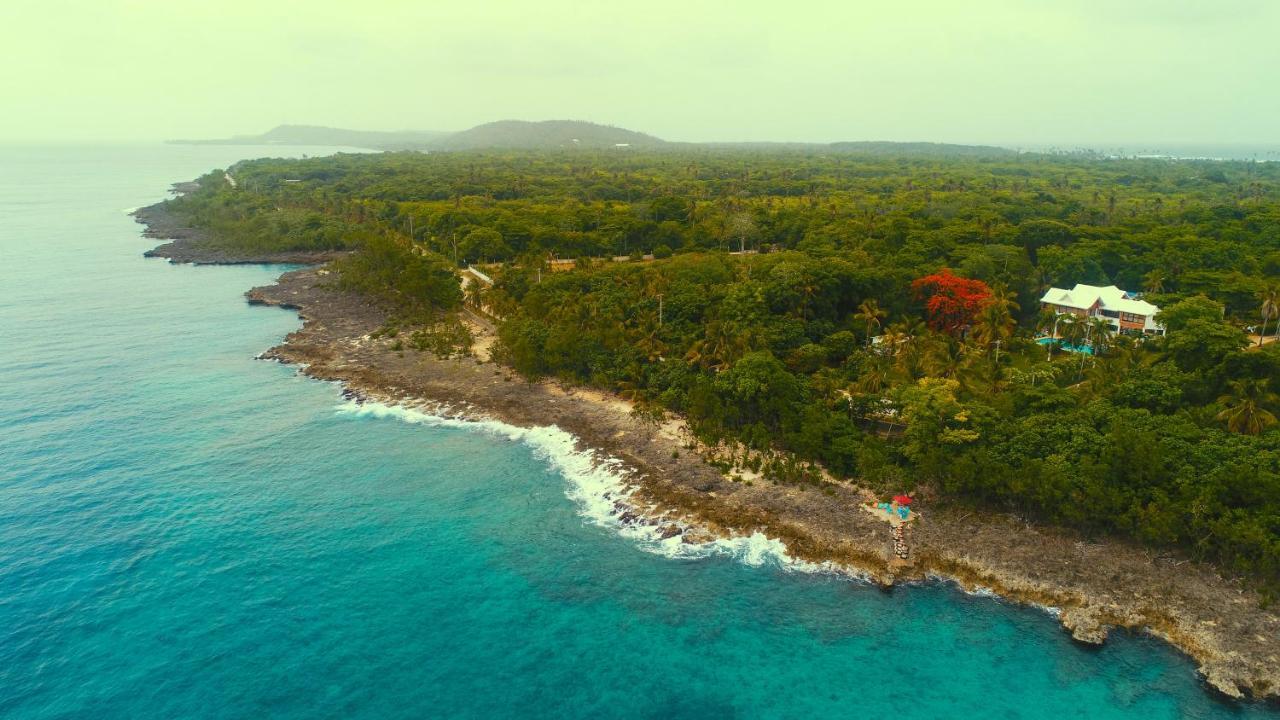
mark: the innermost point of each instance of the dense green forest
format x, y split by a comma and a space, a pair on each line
870, 310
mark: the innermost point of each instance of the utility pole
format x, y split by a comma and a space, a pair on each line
1088, 333
659, 309
1053, 337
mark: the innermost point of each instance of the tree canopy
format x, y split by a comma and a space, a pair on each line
873, 313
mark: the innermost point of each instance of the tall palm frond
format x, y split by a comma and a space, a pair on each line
1245, 407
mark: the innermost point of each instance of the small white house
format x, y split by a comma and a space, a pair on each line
1124, 310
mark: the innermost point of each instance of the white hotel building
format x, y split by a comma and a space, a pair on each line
1125, 312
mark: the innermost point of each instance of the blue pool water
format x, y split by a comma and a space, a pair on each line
1046, 341
186, 532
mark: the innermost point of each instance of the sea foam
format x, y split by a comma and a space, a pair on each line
600, 486
982, 591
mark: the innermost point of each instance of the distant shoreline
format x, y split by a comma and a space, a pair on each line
569, 134
1094, 586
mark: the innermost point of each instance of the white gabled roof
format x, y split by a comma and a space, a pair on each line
1084, 296
1058, 296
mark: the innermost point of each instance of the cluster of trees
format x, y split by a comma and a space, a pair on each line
1173, 229
1170, 441
886, 326
416, 283
257, 223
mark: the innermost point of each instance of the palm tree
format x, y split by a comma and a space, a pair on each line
649, 342
1244, 408
1124, 357
475, 293
875, 377
1270, 309
1130, 354
656, 285
889, 343
808, 291
908, 346
994, 324
1047, 322
1100, 332
721, 346
870, 313
1153, 282
1001, 295
832, 387
576, 312
984, 378
538, 260
945, 357
1104, 375
1070, 328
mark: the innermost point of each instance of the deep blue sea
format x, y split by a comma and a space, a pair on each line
188, 532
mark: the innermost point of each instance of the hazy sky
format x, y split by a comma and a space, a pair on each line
999, 71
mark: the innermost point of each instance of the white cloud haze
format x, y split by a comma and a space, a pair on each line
996, 71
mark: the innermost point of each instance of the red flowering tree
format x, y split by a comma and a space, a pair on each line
950, 301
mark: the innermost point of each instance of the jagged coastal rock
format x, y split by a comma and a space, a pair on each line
1085, 624
1095, 587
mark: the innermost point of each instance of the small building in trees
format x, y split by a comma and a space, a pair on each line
1122, 309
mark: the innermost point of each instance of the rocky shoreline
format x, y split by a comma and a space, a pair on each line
1091, 587
1094, 586
185, 244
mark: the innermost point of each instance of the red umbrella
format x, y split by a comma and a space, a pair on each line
902, 499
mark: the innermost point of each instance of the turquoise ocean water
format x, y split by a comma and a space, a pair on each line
186, 532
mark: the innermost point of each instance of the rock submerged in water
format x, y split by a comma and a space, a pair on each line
1085, 624
670, 531
1222, 676
695, 536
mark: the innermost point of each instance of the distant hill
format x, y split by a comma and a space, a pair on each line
546, 134
511, 134
562, 134
317, 135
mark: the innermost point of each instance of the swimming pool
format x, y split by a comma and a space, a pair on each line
1087, 349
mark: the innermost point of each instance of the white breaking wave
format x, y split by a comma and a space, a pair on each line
983, 591
600, 488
